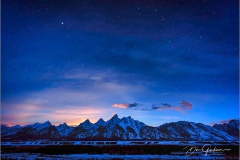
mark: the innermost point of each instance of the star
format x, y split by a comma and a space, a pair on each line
61, 22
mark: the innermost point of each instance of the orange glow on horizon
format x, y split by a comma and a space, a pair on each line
73, 116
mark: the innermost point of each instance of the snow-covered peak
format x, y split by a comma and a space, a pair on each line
35, 123
6, 125
113, 121
127, 122
17, 126
47, 123
86, 124
178, 124
115, 116
127, 119
234, 123
100, 122
131, 122
64, 129
63, 125
40, 126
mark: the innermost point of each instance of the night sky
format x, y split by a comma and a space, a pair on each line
156, 61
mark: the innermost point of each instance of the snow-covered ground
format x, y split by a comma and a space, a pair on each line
28, 156
121, 143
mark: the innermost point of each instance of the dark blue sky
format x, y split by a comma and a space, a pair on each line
66, 61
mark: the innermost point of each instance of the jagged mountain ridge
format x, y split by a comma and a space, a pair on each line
232, 128
124, 129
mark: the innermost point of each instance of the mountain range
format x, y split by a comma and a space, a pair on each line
125, 128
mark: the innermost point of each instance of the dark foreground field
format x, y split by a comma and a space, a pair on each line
231, 153
67, 149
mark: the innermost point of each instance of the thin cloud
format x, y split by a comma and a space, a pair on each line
184, 105
166, 105
125, 105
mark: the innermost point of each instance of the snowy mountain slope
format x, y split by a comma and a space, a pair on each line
64, 129
36, 131
113, 121
232, 128
100, 122
39, 126
79, 132
148, 132
125, 128
183, 130
7, 130
131, 127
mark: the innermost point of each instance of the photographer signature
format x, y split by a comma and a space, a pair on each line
206, 149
